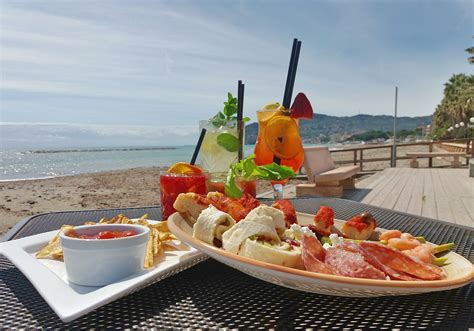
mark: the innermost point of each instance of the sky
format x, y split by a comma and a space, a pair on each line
148, 71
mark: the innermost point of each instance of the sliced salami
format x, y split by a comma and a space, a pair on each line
350, 263
392, 273
401, 262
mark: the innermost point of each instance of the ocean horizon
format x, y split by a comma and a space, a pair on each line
28, 164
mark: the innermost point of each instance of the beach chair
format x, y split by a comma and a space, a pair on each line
324, 178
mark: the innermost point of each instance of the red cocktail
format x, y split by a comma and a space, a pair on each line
171, 185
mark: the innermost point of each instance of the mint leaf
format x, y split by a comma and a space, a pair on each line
230, 106
246, 119
218, 120
275, 170
231, 189
228, 141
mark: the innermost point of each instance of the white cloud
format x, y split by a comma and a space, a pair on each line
57, 135
173, 62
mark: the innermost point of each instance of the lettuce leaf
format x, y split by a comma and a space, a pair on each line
247, 169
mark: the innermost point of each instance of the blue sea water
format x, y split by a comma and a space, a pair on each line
22, 164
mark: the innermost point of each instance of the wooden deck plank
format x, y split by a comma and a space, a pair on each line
428, 183
429, 206
461, 213
443, 199
469, 204
438, 187
428, 200
443, 209
461, 182
375, 197
393, 194
415, 205
405, 196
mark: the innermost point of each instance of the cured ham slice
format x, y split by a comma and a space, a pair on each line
313, 264
351, 264
402, 262
312, 245
313, 255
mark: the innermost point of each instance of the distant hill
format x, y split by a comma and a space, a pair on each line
332, 128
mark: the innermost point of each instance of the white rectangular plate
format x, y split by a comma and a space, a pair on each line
71, 301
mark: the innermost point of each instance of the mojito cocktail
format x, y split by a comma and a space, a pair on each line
219, 149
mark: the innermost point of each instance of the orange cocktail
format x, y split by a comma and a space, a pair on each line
278, 138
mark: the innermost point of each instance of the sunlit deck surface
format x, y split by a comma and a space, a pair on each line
440, 193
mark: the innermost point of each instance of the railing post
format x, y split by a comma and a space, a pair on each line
355, 156
470, 149
430, 149
361, 160
393, 159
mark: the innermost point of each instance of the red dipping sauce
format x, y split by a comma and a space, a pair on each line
102, 234
171, 185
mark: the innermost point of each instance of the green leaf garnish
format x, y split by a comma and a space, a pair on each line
228, 116
228, 141
247, 169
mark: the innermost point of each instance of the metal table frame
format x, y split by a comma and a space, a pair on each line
211, 295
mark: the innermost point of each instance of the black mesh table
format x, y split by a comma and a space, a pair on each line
212, 295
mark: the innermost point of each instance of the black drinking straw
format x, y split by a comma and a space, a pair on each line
240, 123
293, 76
290, 80
286, 99
198, 146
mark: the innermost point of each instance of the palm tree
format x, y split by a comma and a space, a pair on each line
470, 50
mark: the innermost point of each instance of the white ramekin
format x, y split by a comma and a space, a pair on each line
99, 262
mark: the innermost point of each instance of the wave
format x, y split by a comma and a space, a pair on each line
94, 150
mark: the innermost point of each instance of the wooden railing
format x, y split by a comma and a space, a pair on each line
358, 152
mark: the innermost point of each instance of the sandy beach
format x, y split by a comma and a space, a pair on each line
122, 188
113, 189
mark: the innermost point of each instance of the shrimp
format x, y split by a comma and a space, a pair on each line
423, 252
407, 236
390, 234
403, 244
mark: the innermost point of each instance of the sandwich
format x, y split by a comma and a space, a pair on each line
211, 224
276, 215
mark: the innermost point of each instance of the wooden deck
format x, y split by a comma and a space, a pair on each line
445, 194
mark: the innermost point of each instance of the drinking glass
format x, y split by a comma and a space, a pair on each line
171, 185
278, 140
216, 155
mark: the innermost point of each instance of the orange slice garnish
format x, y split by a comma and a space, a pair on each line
184, 168
282, 137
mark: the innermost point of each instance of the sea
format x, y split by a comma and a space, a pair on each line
47, 163
37, 164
